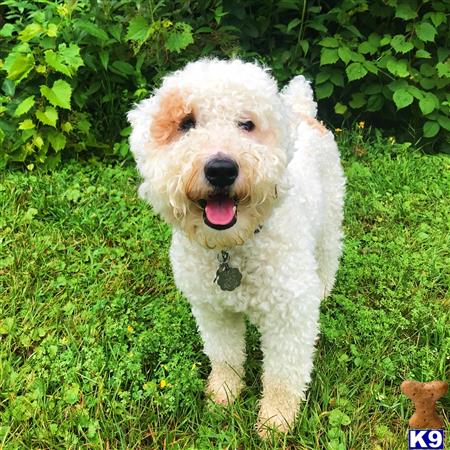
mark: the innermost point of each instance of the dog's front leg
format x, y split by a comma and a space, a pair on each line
288, 336
223, 335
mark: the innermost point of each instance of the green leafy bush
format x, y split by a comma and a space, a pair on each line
383, 61
72, 69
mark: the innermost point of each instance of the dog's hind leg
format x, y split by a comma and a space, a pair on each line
329, 242
328, 252
223, 335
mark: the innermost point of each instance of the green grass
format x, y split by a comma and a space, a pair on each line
98, 350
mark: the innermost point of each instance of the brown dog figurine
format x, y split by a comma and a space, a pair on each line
424, 397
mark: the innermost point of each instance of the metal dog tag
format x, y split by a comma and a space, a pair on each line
228, 278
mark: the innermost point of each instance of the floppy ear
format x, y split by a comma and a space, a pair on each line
298, 96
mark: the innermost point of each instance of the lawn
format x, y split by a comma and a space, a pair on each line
99, 350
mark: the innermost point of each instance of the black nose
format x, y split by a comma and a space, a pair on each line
221, 172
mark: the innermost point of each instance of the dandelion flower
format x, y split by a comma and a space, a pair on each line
338, 130
130, 329
361, 124
162, 384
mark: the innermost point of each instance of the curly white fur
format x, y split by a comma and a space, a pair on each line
290, 182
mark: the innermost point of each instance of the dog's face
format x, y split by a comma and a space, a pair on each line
210, 147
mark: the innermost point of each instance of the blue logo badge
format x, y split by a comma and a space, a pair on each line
426, 439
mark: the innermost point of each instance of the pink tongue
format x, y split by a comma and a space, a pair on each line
219, 210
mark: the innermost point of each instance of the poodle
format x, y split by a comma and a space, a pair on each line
252, 186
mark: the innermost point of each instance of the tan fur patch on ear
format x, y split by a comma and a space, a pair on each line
313, 123
172, 110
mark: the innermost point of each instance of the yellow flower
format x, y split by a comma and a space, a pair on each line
361, 124
338, 130
391, 139
130, 329
162, 384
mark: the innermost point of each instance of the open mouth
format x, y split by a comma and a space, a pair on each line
219, 211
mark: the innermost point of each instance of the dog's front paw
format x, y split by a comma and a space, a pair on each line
277, 412
224, 384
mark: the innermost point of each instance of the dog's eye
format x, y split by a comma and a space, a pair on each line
246, 125
187, 123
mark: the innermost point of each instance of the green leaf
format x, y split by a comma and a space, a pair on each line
427, 83
323, 76
24, 106
443, 53
18, 66
430, 128
358, 100
72, 394
67, 127
91, 29
375, 102
71, 56
304, 44
340, 108
367, 47
402, 98
57, 140
371, 67
27, 124
337, 78
7, 30
338, 418
104, 58
436, 17
67, 60
443, 69
421, 53
386, 39
138, 29
84, 126
373, 88
59, 94
324, 90
122, 68
400, 45
30, 31
179, 37
48, 117
427, 70
345, 54
328, 56
426, 32
426, 106
415, 92
398, 67
444, 122
54, 61
405, 11
292, 24
355, 71
427, 103
52, 30
329, 42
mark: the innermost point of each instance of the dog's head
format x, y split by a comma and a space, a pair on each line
211, 147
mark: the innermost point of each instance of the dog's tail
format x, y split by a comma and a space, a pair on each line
298, 95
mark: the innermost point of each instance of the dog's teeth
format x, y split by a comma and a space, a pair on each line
234, 209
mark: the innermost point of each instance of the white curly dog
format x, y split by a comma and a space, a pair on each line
252, 185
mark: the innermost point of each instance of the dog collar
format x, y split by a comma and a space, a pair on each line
229, 278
